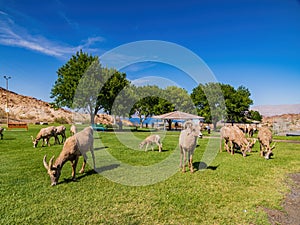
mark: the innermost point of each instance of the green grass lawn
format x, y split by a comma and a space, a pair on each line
232, 190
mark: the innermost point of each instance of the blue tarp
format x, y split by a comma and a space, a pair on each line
146, 121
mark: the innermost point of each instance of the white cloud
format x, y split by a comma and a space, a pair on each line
13, 35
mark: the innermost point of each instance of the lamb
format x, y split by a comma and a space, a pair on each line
61, 130
152, 139
265, 138
75, 146
1, 132
73, 130
45, 134
187, 143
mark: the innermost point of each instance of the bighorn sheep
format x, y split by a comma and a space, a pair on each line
73, 130
234, 137
152, 139
187, 144
75, 146
45, 134
1, 132
61, 130
265, 138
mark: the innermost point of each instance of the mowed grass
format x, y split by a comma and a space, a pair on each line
232, 190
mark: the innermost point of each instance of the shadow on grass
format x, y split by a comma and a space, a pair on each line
203, 165
90, 173
100, 148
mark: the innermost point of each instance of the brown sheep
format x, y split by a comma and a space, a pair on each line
265, 138
75, 146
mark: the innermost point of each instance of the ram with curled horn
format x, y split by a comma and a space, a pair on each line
75, 146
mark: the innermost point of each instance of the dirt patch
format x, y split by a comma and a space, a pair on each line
290, 215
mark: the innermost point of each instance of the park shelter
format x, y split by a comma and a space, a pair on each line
178, 115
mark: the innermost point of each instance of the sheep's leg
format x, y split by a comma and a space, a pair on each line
159, 146
181, 156
261, 150
74, 164
191, 162
227, 143
48, 142
146, 149
83, 164
231, 147
93, 157
184, 161
57, 140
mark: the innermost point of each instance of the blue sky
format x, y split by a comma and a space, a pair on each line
254, 43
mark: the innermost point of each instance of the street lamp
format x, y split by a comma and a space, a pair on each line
7, 110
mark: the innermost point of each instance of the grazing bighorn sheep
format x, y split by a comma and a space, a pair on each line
234, 137
150, 140
187, 144
265, 138
61, 130
1, 132
45, 134
75, 146
73, 130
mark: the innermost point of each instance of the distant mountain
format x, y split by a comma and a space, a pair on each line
276, 110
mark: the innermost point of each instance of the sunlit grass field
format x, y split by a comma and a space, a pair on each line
128, 189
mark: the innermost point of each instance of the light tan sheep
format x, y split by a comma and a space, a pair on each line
187, 143
150, 140
75, 146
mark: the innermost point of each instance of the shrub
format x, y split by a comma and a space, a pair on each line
61, 120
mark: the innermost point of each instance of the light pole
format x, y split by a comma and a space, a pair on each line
7, 110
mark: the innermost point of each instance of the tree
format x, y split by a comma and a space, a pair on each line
84, 85
237, 102
150, 101
209, 102
254, 115
69, 75
179, 98
115, 82
212, 99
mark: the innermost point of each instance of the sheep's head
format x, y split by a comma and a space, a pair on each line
35, 142
54, 172
141, 145
194, 130
269, 152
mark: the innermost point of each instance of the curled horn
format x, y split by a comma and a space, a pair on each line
273, 146
51, 162
45, 163
187, 124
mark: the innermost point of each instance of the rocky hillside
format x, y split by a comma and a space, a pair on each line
29, 109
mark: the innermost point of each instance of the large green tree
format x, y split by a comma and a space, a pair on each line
180, 99
209, 102
69, 75
213, 98
84, 85
237, 102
